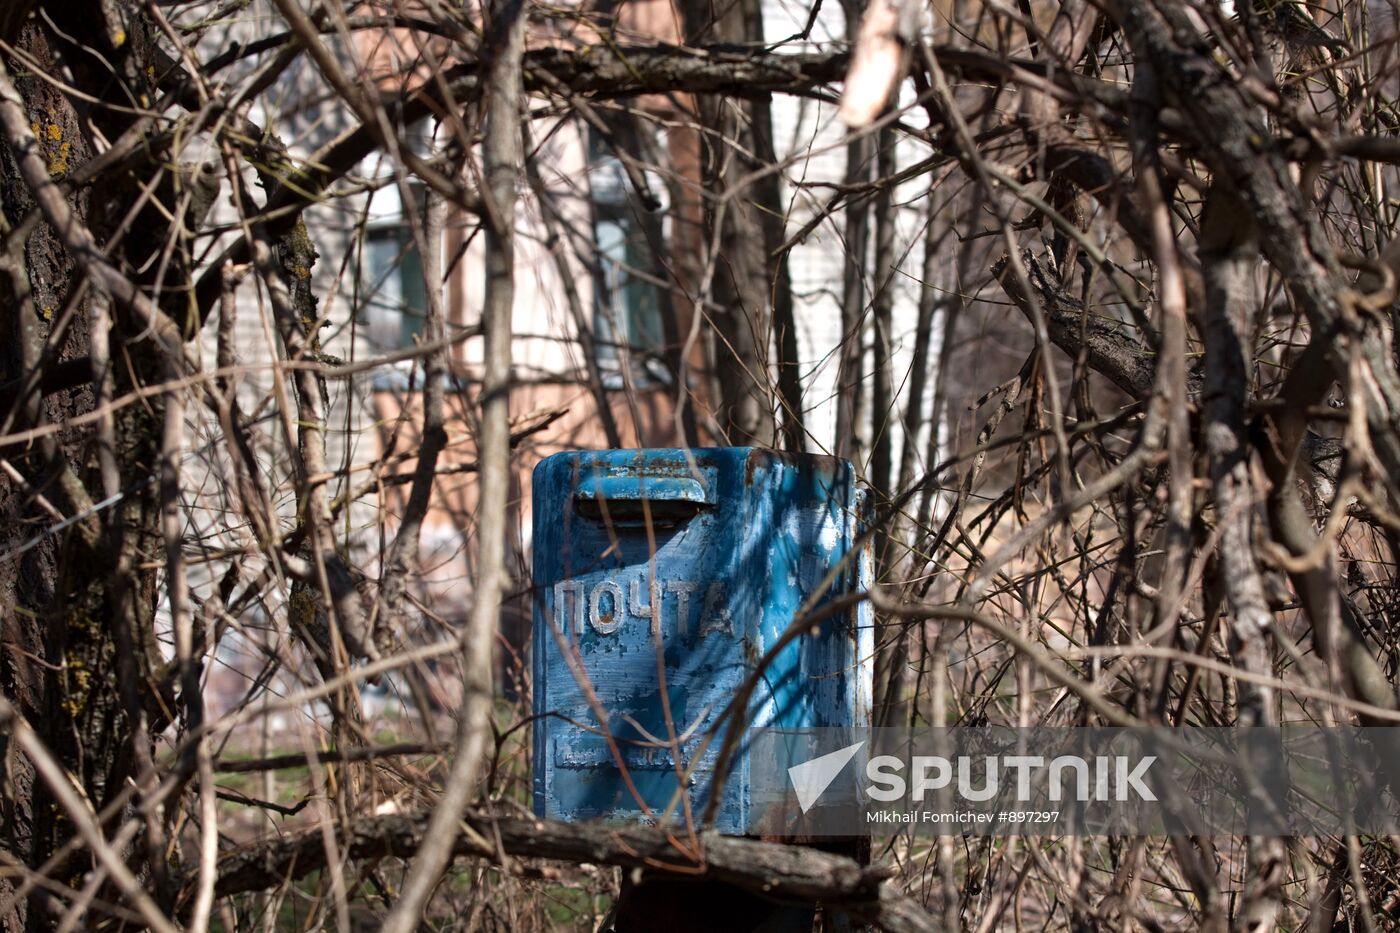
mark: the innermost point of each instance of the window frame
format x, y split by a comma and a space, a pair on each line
623, 300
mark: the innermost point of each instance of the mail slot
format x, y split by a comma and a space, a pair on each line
661, 579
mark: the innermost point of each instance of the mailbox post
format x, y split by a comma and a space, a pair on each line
662, 577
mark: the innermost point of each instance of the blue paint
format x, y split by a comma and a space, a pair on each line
730, 543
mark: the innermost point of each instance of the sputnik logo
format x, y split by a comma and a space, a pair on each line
811, 778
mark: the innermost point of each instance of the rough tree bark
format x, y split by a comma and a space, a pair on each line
77, 650
737, 141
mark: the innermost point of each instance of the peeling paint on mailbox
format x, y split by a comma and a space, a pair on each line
661, 578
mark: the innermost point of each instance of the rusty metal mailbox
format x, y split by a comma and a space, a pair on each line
661, 579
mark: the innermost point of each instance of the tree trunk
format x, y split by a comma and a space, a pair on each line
78, 654
737, 140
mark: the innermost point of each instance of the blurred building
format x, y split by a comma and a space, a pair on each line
604, 306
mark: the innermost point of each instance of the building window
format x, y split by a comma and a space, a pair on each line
628, 302
394, 301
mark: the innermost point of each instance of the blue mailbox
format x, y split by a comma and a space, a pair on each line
662, 577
